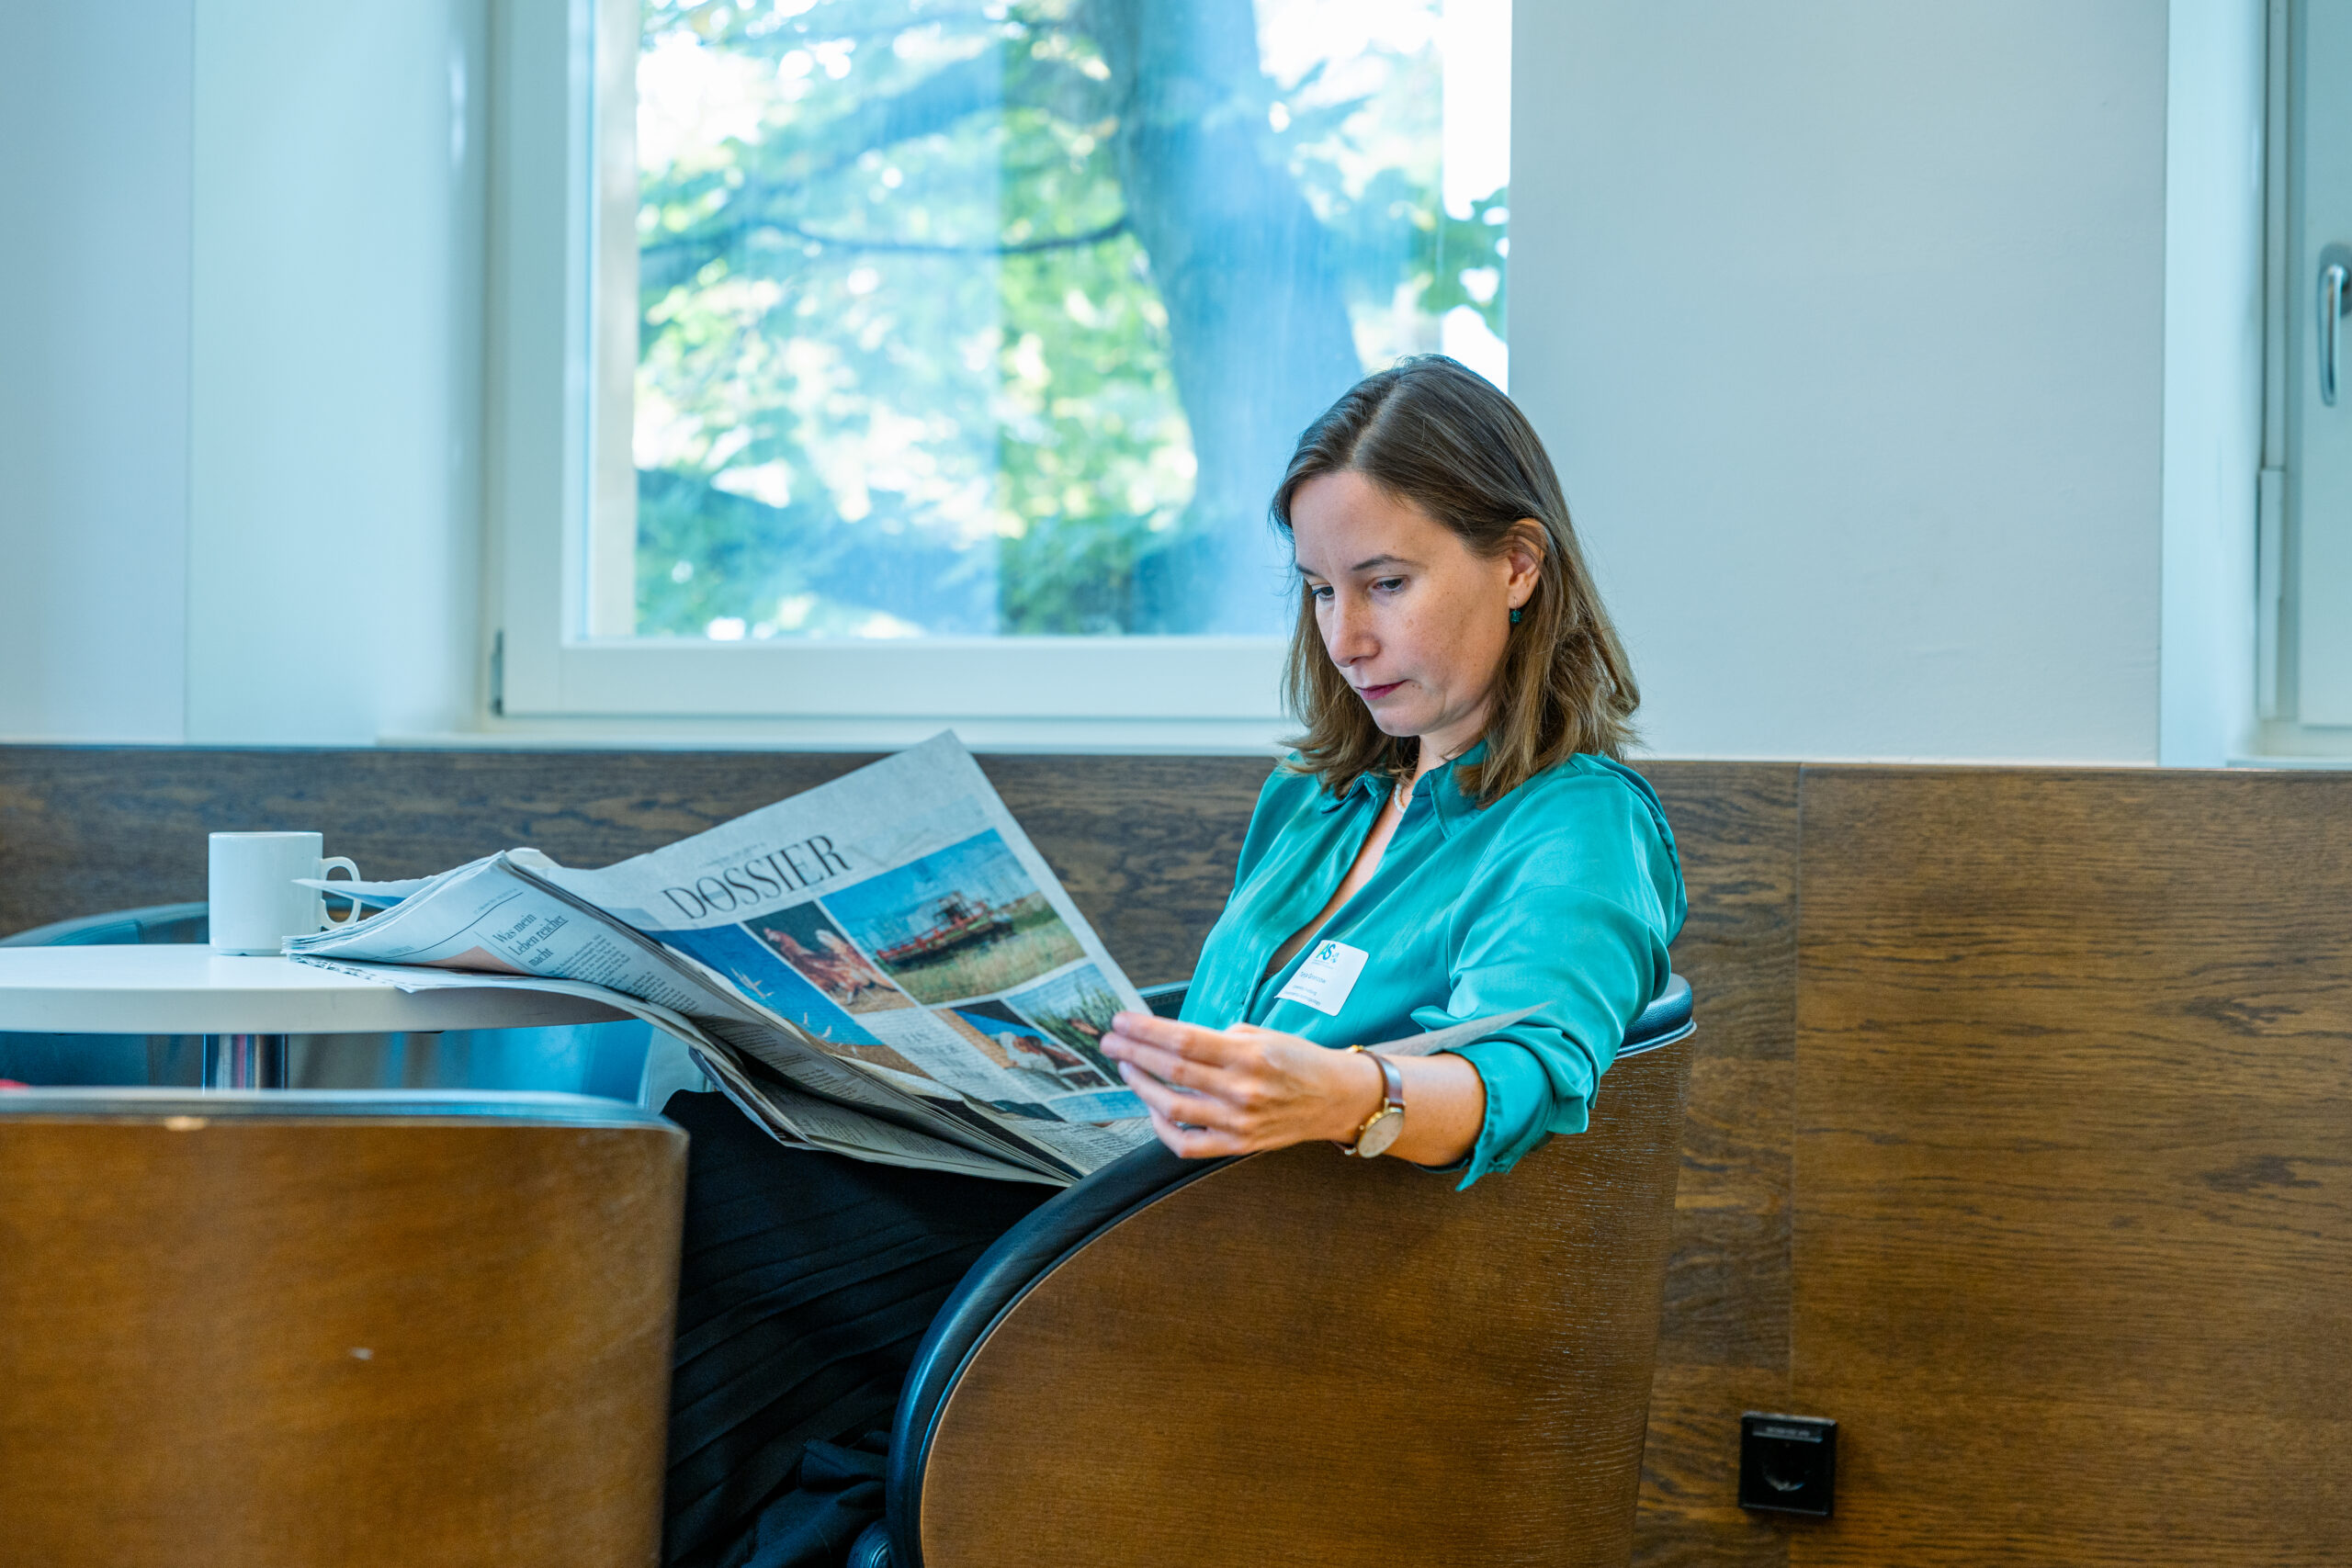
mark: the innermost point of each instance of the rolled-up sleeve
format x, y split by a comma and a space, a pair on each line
1574, 923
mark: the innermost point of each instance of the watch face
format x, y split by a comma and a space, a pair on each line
1379, 1132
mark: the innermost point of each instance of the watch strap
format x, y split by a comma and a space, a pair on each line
1392, 1097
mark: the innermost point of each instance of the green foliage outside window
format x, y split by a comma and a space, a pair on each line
998, 318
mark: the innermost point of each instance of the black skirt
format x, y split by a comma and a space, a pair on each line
806, 1282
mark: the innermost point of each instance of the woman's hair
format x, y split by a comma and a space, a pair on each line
1430, 432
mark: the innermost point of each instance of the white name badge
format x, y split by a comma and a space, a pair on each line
1325, 978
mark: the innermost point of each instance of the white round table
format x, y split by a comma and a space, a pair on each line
245, 1007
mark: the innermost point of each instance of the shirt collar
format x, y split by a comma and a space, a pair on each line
1452, 802
1447, 798
1366, 784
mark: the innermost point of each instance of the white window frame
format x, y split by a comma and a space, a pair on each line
2305, 553
1204, 693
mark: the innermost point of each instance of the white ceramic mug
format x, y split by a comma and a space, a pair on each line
257, 903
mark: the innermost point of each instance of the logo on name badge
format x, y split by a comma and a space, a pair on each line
1326, 976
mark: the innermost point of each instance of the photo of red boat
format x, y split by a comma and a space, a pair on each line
955, 921
962, 921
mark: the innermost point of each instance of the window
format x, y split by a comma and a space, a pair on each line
2306, 549
933, 360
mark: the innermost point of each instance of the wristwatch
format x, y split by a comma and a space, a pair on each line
1383, 1126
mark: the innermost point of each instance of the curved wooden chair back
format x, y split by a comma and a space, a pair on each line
1297, 1358
333, 1329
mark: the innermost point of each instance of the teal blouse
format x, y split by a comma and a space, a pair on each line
1562, 894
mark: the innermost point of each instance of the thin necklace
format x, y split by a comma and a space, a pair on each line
1401, 797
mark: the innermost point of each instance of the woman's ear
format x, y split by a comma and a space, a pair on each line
1525, 555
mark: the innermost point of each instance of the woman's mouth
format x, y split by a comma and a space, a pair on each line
1373, 693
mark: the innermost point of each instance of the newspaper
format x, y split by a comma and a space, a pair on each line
883, 965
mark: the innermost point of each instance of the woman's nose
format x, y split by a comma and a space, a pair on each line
1347, 636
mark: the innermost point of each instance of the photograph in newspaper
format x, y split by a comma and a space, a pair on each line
1042, 1068
1014, 1042
962, 921
761, 976
951, 1052
1076, 1008
809, 944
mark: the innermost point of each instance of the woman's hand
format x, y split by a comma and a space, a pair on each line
1241, 1090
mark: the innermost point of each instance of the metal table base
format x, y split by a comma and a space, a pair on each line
244, 1061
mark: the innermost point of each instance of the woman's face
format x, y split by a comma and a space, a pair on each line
1415, 621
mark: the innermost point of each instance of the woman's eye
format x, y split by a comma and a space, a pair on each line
1320, 594
1388, 584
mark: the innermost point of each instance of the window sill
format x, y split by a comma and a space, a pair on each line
1252, 738
2284, 743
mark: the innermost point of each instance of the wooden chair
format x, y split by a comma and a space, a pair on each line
342, 1329
1298, 1359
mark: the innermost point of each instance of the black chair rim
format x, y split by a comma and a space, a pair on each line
92, 929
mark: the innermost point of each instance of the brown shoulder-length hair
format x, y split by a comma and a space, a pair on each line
1431, 432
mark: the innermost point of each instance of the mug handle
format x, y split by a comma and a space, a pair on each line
358, 909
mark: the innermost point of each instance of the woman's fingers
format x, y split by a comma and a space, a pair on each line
1194, 1142
1198, 1110
1157, 1096
1214, 1047
1256, 1089
1167, 1066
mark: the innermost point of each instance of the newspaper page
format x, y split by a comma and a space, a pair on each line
795, 1120
890, 942
899, 918
498, 916
493, 916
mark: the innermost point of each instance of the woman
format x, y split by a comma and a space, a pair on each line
1453, 839
1455, 836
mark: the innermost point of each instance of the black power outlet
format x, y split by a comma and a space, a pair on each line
1788, 1464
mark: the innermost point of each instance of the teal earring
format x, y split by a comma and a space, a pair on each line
1515, 615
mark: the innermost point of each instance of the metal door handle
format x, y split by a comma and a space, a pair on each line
2334, 275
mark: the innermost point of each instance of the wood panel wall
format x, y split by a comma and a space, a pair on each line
2017, 1143
1724, 1344
1146, 844
2074, 1165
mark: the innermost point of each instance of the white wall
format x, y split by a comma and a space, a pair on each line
94, 266
1845, 321
239, 436
333, 526
2212, 443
